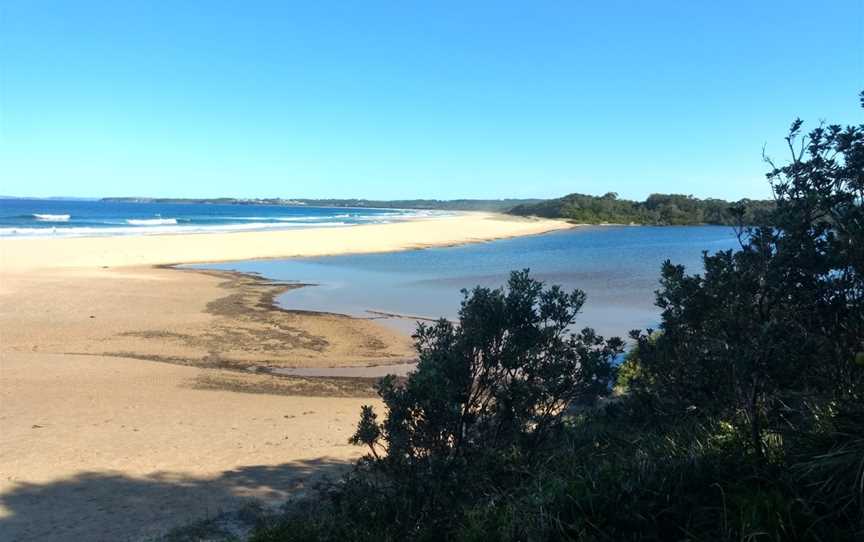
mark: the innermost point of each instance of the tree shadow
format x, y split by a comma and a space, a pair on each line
113, 506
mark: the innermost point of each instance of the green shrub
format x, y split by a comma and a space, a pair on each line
742, 420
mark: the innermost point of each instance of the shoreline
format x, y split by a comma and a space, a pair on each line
218, 319
126, 389
194, 317
37, 253
129, 296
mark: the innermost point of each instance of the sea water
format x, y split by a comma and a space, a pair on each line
23, 218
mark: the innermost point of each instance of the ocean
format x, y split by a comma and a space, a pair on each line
41, 217
617, 267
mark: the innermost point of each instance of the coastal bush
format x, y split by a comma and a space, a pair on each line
502, 378
743, 416
629, 372
487, 395
773, 328
488, 398
657, 209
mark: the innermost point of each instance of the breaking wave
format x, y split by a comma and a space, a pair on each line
151, 221
52, 218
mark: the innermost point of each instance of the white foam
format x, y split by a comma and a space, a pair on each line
155, 230
52, 218
310, 219
151, 221
166, 226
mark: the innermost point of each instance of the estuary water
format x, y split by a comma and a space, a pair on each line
617, 267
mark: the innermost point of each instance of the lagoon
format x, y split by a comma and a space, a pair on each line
618, 267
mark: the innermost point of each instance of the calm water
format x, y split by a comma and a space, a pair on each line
33, 217
617, 267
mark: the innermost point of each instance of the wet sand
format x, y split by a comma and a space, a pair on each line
201, 318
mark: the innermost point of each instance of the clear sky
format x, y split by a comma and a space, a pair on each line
414, 99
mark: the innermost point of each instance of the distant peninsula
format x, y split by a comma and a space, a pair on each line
492, 205
656, 210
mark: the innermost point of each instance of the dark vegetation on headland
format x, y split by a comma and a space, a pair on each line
741, 418
657, 210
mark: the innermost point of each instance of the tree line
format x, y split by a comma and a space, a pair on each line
657, 210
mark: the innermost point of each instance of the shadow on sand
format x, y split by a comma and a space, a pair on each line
112, 506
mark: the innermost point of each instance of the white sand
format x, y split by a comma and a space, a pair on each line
51, 253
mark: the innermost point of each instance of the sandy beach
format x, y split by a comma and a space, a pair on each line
52, 253
131, 395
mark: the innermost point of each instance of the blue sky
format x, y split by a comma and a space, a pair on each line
414, 99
